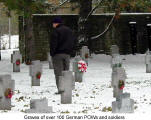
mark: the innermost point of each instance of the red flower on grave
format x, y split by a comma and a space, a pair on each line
38, 75
8, 93
121, 88
18, 62
121, 84
86, 55
82, 66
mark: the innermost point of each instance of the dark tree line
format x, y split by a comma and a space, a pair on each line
28, 7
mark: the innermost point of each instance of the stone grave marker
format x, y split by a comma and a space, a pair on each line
123, 105
7, 86
84, 53
66, 85
78, 76
148, 61
116, 62
50, 61
35, 71
16, 59
39, 106
114, 50
118, 81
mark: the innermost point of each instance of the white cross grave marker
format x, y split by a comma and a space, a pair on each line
7, 86
35, 72
114, 50
78, 76
116, 62
123, 105
16, 59
148, 61
66, 85
118, 81
84, 53
39, 106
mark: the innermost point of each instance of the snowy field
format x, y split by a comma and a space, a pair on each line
93, 96
5, 42
90, 97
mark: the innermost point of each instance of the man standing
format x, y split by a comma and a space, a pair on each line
61, 46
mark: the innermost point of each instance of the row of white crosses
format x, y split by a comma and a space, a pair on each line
7, 85
123, 103
41, 105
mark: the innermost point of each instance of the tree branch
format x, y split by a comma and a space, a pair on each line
95, 37
53, 9
90, 13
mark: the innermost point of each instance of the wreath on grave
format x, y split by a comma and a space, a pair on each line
121, 84
18, 62
8, 93
82, 66
28, 62
86, 55
38, 75
118, 65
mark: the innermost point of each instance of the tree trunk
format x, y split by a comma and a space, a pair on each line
83, 25
29, 40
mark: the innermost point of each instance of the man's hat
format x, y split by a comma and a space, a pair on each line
57, 20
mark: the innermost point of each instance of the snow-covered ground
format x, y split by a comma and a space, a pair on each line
5, 41
91, 96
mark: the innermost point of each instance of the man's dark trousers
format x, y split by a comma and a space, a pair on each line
61, 62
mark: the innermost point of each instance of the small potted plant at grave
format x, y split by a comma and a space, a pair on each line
121, 84
86, 55
18, 62
8, 93
38, 75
